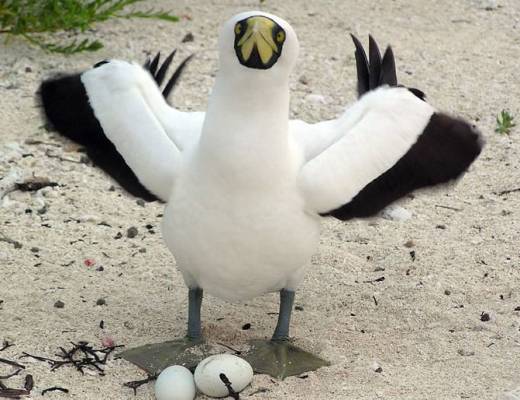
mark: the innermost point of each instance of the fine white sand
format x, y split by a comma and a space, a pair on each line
425, 331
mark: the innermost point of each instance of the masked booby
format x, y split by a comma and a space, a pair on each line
245, 187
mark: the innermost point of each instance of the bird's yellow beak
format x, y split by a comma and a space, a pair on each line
258, 42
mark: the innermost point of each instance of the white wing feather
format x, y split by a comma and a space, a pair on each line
362, 144
116, 94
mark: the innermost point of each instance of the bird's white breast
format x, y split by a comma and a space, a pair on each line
236, 233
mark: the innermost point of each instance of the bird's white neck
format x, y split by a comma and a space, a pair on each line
246, 122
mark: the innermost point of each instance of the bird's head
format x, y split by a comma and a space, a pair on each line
259, 42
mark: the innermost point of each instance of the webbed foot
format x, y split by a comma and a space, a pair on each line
153, 358
280, 359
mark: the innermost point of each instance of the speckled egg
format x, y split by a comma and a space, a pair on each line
237, 371
175, 383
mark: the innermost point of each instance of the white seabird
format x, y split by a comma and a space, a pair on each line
245, 187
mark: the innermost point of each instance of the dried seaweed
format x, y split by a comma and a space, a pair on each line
81, 356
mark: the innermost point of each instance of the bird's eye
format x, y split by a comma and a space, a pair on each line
280, 37
238, 29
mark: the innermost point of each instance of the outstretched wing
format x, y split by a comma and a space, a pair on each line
68, 109
389, 143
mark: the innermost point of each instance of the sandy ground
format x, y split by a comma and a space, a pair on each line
425, 330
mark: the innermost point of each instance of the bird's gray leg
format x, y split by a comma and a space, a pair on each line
278, 357
284, 317
154, 358
194, 304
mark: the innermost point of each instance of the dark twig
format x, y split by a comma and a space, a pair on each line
55, 389
503, 192
12, 363
6, 345
134, 385
448, 207
13, 393
230, 389
35, 183
38, 358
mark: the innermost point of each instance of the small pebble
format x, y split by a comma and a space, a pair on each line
409, 244
447, 292
132, 232
101, 302
246, 327
89, 262
107, 341
188, 38
485, 317
59, 304
128, 325
376, 367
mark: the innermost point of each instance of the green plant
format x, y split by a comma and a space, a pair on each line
504, 123
31, 19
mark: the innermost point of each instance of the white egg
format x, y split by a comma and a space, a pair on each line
175, 383
237, 370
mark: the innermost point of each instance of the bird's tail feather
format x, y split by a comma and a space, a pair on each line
376, 71
67, 110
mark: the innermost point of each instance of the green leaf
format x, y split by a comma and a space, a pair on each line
504, 123
31, 19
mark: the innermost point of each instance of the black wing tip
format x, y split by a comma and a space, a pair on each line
362, 67
388, 70
65, 106
175, 76
66, 109
377, 70
159, 77
442, 154
158, 71
375, 63
155, 63
418, 93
